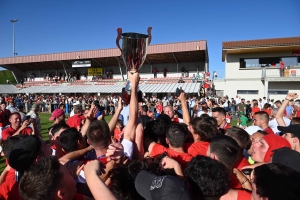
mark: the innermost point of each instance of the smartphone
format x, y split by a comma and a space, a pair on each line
27, 117
247, 171
177, 93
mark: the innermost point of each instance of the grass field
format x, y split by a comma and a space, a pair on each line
45, 124
7, 75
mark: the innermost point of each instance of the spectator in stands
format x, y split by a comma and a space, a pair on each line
165, 72
182, 71
281, 68
155, 72
181, 80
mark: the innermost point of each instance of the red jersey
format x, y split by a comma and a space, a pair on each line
181, 158
196, 148
74, 121
9, 190
269, 130
9, 131
226, 126
117, 134
177, 120
255, 110
241, 163
243, 195
4, 117
159, 109
298, 113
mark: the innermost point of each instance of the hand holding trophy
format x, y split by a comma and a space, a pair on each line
133, 52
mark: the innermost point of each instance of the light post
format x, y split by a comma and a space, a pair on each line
13, 22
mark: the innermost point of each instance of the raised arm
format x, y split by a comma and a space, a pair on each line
129, 131
114, 119
89, 118
185, 110
279, 115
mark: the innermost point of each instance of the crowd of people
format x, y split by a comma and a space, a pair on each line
177, 147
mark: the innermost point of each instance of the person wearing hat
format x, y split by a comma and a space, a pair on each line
58, 115
21, 156
35, 115
292, 134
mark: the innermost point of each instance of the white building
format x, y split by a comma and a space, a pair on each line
252, 68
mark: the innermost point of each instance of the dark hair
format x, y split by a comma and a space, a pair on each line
77, 109
219, 110
41, 180
276, 182
226, 149
278, 101
57, 127
62, 106
98, 133
164, 118
207, 178
145, 108
176, 135
123, 176
262, 132
240, 135
156, 131
263, 116
69, 138
10, 141
204, 128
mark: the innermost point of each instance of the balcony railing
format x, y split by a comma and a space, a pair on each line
274, 72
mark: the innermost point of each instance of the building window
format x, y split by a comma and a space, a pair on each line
290, 61
278, 92
247, 92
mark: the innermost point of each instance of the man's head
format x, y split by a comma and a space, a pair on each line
98, 134
255, 137
278, 103
240, 136
15, 119
202, 129
207, 178
71, 140
176, 135
3, 105
58, 115
47, 179
56, 129
219, 114
78, 109
156, 131
292, 134
168, 110
35, 107
144, 109
224, 149
261, 119
296, 105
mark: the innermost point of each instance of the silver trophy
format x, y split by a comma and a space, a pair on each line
133, 52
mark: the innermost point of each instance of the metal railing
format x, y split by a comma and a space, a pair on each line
274, 72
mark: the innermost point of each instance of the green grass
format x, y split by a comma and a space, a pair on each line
7, 75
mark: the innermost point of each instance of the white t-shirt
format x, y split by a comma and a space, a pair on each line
273, 124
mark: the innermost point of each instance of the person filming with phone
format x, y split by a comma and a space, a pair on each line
16, 126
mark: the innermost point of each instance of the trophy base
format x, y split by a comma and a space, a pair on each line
126, 97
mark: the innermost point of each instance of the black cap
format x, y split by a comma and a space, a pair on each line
153, 187
24, 153
287, 157
292, 128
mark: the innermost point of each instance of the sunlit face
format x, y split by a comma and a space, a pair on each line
260, 149
219, 117
15, 120
257, 121
168, 111
290, 139
255, 137
3, 106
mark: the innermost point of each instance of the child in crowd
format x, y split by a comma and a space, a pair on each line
243, 120
118, 131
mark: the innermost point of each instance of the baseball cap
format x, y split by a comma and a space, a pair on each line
153, 187
292, 128
56, 113
24, 153
252, 129
287, 157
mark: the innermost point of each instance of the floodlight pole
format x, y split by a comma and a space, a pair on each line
13, 22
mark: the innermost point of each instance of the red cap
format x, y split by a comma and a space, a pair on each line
56, 113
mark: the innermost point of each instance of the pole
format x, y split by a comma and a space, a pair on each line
13, 22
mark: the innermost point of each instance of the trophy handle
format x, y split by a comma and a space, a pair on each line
119, 30
149, 34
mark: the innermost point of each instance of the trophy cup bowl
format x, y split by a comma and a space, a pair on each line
133, 52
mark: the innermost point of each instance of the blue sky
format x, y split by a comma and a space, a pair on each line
51, 26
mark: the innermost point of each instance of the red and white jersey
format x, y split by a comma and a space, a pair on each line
177, 120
